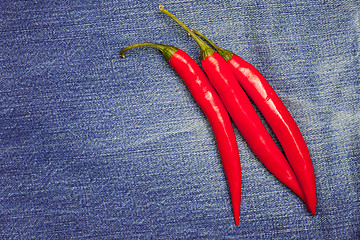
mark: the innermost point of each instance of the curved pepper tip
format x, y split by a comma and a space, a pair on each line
237, 221
311, 208
236, 212
312, 211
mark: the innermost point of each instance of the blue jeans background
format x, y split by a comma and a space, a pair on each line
93, 146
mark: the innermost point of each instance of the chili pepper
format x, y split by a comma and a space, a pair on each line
209, 101
242, 112
278, 117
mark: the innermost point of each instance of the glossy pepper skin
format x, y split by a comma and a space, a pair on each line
210, 103
279, 119
243, 114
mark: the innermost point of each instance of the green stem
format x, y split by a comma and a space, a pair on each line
206, 39
226, 54
167, 50
205, 50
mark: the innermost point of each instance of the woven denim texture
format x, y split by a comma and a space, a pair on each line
93, 146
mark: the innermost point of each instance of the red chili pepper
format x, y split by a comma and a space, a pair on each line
209, 101
243, 113
279, 119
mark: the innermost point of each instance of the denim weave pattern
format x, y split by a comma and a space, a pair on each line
93, 146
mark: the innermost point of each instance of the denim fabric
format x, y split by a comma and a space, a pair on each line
93, 146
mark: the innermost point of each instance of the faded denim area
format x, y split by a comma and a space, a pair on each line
94, 146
